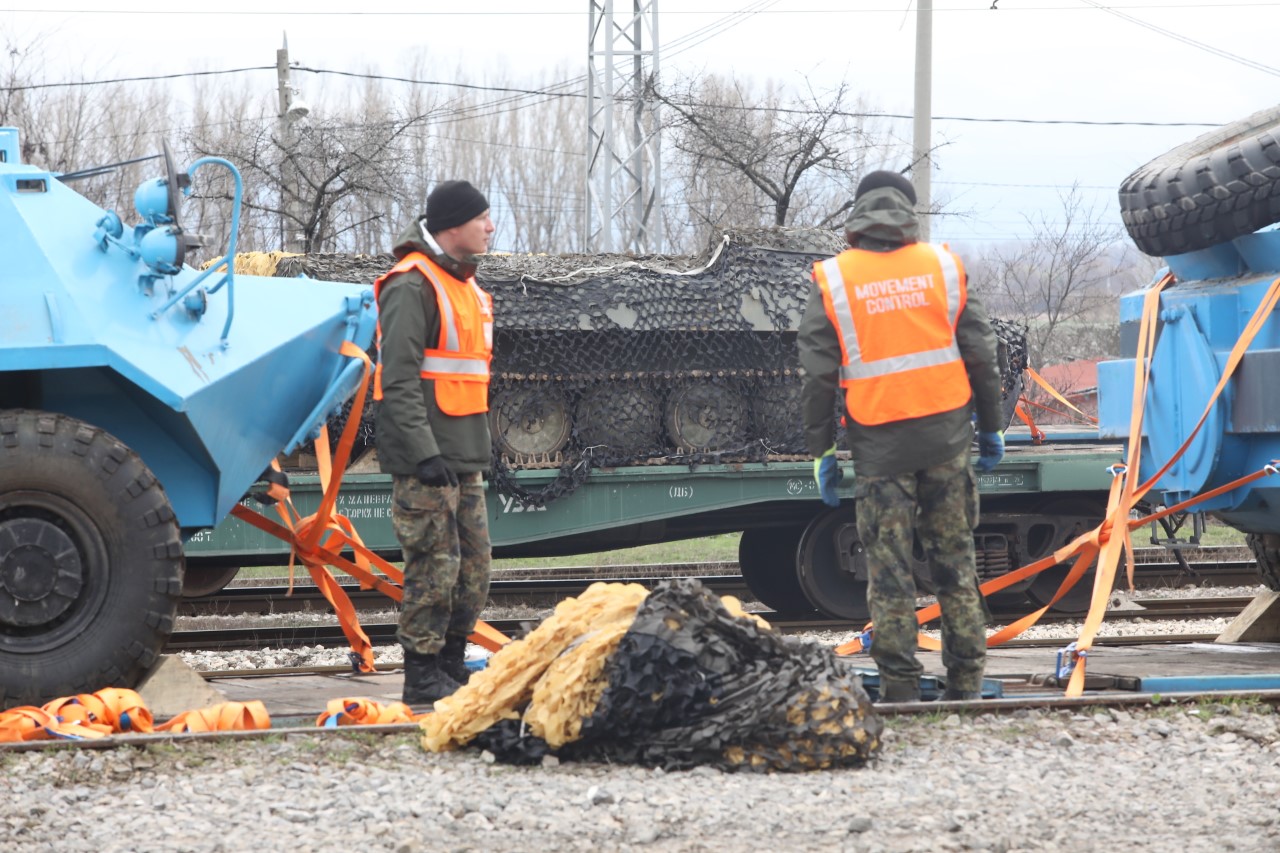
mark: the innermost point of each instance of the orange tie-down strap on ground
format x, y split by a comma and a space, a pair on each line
318, 540
84, 716
364, 712
1112, 536
223, 717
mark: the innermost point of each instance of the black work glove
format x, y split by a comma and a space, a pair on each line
433, 472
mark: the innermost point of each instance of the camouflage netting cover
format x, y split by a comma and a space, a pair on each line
616, 360
690, 680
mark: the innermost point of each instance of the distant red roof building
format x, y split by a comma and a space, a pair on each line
1075, 380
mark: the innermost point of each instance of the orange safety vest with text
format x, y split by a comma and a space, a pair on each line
459, 363
895, 314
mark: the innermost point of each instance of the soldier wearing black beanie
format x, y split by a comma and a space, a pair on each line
453, 203
435, 343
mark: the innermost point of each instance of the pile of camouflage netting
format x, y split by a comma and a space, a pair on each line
672, 678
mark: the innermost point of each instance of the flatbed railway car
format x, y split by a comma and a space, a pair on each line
795, 552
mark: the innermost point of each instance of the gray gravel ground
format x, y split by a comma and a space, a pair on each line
1167, 779
1174, 778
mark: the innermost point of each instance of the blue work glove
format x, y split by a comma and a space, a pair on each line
828, 474
990, 450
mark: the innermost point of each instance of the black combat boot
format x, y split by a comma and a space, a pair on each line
453, 658
898, 691
424, 679
953, 695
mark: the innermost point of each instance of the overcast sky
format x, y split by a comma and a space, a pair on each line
1130, 61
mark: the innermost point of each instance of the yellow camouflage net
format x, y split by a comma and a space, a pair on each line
256, 263
591, 624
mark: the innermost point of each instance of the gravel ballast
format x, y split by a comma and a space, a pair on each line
1199, 777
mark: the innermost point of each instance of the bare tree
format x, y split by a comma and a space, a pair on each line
749, 157
1061, 277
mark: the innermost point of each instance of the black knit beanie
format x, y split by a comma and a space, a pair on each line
876, 180
453, 203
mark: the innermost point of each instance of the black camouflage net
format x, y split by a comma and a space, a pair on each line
611, 360
690, 684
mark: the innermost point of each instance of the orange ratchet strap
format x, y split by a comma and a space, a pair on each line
364, 712
318, 540
81, 717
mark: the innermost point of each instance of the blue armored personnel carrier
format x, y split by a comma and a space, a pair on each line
139, 399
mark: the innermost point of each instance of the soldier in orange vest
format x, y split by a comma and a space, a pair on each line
435, 340
892, 323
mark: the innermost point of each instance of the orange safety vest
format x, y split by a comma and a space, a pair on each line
896, 314
459, 364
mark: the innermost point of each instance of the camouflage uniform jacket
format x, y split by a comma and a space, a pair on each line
883, 221
410, 426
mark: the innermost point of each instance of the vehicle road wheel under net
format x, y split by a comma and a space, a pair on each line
529, 421
90, 560
705, 416
623, 420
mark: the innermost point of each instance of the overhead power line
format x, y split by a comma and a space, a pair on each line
549, 93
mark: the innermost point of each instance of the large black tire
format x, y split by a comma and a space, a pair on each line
1219, 186
1266, 550
90, 560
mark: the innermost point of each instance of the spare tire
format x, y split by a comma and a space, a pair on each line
1219, 186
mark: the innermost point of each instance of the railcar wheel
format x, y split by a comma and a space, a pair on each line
90, 560
1059, 522
832, 565
623, 419
1266, 550
767, 558
200, 581
1221, 185
705, 416
529, 421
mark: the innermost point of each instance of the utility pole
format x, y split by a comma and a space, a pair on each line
292, 110
624, 166
922, 131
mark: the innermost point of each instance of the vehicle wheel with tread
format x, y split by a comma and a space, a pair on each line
832, 566
90, 560
1266, 549
1219, 186
767, 559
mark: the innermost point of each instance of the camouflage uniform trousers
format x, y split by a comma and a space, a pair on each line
444, 534
940, 505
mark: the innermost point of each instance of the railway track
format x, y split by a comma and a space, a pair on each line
241, 638
545, 587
